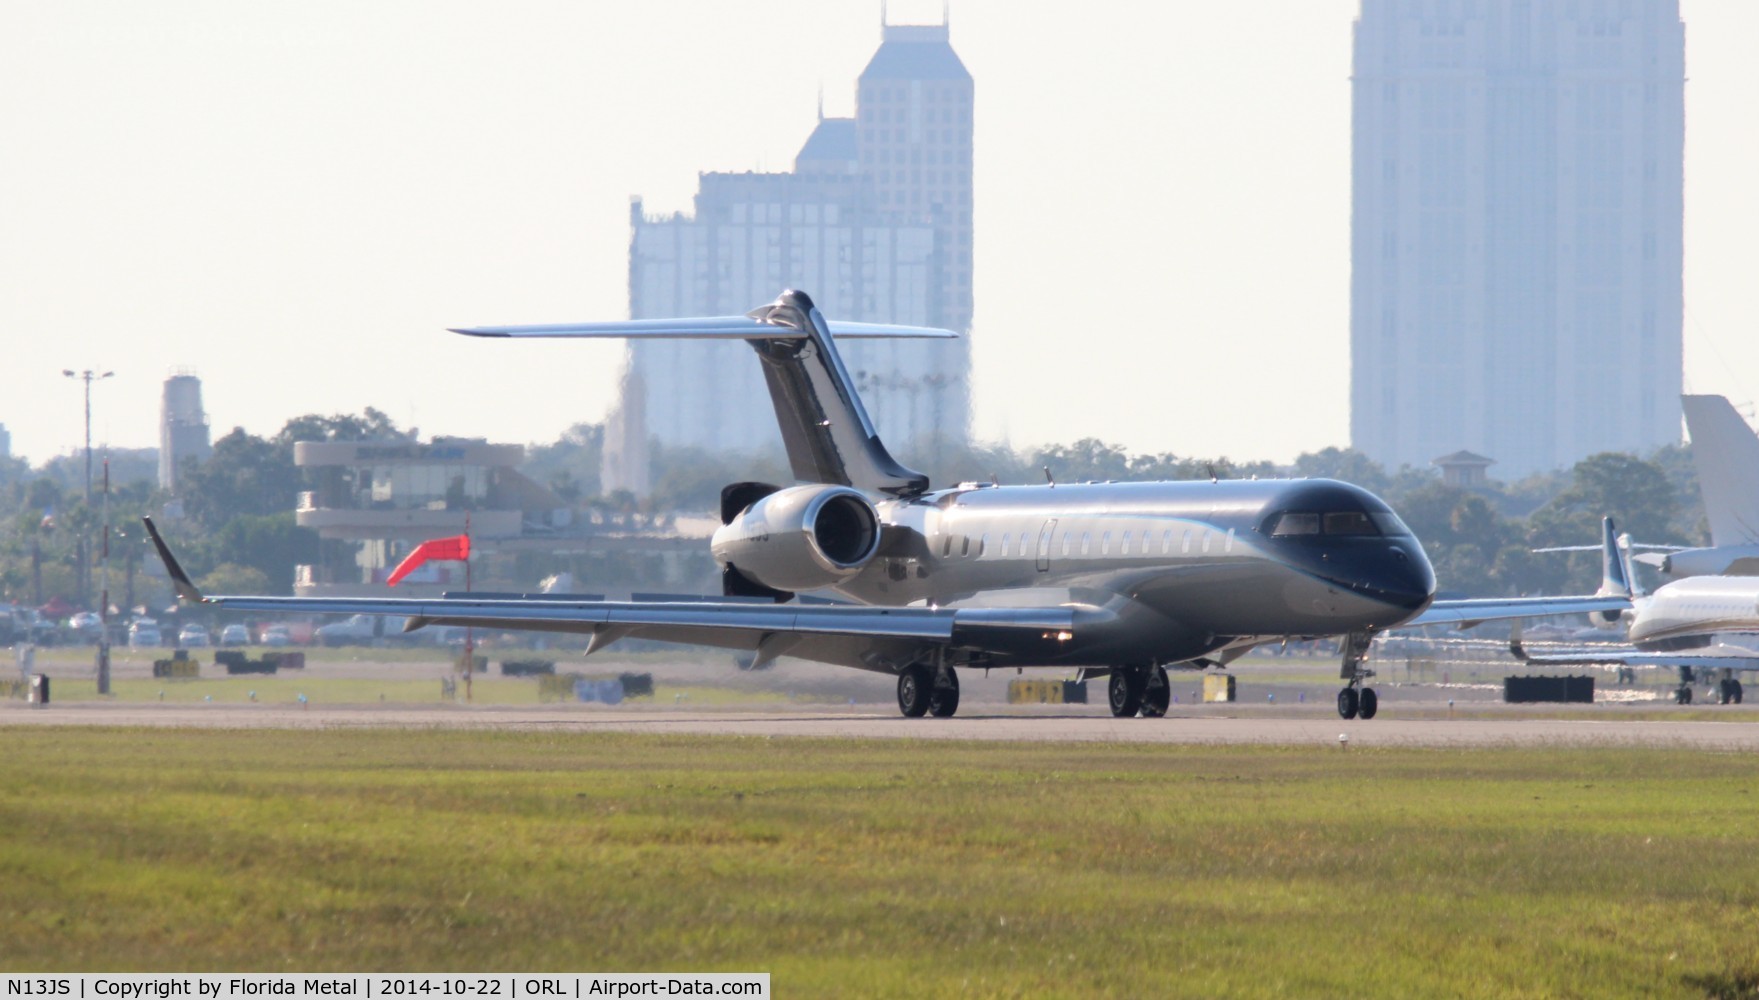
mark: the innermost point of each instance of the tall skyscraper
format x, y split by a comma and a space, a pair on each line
874, 222
183, 427
1516, 229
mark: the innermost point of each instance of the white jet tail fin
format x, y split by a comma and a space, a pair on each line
827, 432
1726, 452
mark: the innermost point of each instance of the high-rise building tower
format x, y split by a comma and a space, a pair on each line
183, 427
1516, 229
874, 222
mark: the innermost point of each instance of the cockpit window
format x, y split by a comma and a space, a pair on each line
1336, 523
1390, 524
1349, 522
1295, 523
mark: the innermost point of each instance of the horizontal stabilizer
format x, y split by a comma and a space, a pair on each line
706, 328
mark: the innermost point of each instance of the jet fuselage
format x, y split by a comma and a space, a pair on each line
1155, 572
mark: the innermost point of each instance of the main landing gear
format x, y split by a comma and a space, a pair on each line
1730, 690
925, 690
1356, 700
1143, 690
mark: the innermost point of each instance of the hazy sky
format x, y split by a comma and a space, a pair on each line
294, 199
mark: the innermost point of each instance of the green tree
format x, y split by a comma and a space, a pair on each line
245, 474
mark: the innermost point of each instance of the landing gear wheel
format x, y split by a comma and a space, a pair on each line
1125, 692
1682, 695
1723, 694
1347, 703
943, 701
1158, 695
1736, 687
914, 684
1367, 703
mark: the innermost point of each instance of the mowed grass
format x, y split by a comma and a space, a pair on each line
885, 868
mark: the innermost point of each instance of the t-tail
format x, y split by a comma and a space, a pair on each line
1726, 452
826, 430
1615, 574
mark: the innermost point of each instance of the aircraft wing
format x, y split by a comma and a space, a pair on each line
1704, 657
1467, 613
859, 635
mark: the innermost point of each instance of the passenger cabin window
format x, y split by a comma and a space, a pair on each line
1067, 538
1105, 544
1166, 541
1086, 542
947, 546
964, 545
1185, 549
982, 543
1228, 546
1124, 545
1004, 552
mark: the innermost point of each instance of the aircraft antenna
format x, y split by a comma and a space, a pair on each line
1048, 477
1211, 467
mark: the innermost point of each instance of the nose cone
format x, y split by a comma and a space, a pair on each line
1393, 573
1401, 576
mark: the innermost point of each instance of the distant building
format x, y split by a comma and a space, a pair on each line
1465, 470
382, 498
874, 223
1516, 229
5, 442
374, 501
183, 427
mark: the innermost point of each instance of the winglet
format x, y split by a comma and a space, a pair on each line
186, 587
1517, 648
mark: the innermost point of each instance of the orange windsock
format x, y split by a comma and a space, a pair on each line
455, 548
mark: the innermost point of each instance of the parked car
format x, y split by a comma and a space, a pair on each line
363, 630
144, 632
193, 636
276, 635
235, 635
85, 627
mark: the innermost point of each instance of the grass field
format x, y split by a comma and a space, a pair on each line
885, 868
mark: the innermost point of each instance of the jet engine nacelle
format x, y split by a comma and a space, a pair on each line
800, 538
1728, 560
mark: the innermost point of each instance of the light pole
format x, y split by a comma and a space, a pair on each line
88, 376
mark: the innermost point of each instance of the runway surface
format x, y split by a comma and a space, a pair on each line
1055, 725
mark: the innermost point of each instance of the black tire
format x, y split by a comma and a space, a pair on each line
1125, 692
1347, 703
915, 683
1723, 694
943, 699
1157, 696
1367, 703
1685, 696
1737, 691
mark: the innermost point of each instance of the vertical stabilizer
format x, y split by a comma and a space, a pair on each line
1615, 576
826, 430
1726, 452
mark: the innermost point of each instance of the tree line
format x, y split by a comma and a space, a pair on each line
233, 516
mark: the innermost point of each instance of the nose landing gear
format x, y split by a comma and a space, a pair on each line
1357, 700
